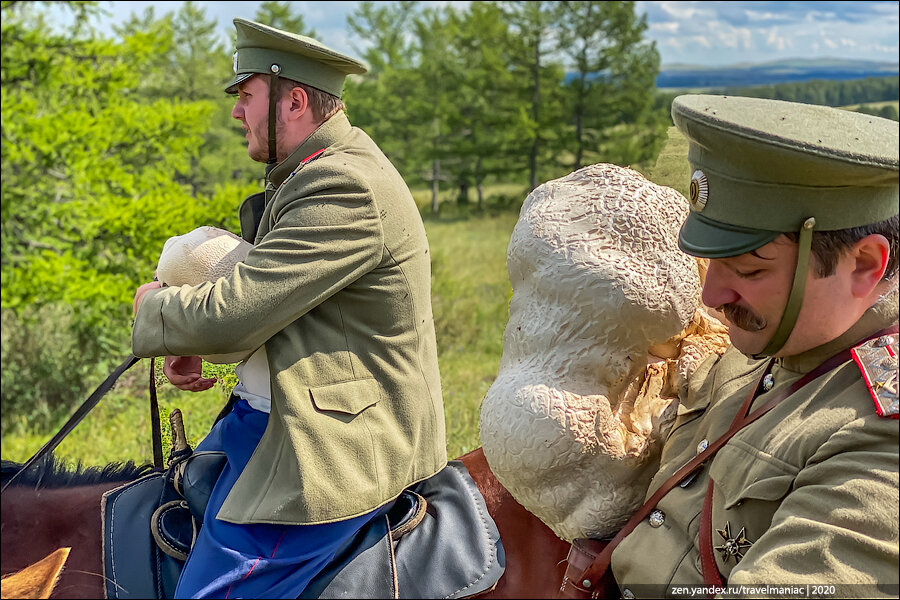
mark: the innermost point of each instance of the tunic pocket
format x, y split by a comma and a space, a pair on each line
750, 487
742, 472
346, 399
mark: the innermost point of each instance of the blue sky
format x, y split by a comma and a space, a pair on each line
705, 33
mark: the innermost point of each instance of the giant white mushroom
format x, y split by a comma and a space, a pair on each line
201, 255
605, 323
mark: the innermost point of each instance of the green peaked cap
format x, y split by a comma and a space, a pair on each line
763, 167
296, 57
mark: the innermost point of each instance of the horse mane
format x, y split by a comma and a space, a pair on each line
52, 472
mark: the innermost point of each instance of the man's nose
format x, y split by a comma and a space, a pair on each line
237, 112
717, 289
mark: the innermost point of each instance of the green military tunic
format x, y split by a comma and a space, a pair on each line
338, 289
812, 485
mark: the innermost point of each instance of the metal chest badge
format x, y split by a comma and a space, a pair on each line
734, 546
877, 360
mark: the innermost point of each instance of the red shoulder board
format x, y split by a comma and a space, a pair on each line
877, 360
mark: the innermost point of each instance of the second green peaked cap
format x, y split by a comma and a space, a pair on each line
297, 57
763, 167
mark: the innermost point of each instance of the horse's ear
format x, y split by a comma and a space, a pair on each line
37, 580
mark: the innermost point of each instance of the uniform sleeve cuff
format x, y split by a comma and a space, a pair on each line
148, 333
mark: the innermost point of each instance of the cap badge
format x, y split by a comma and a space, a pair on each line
699, 190
234, 62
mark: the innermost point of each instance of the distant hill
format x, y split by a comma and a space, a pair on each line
793, 70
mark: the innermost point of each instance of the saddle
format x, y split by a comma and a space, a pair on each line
437, 540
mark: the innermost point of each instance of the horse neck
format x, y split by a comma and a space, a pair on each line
37, 522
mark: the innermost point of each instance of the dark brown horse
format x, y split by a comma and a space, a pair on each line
54, 509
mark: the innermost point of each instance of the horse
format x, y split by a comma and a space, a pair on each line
52, 506
37, 580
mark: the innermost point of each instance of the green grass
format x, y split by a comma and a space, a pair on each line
894, 103
672, 168
470, 297
118, 429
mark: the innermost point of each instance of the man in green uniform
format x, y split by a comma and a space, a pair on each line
337, 292
796, 208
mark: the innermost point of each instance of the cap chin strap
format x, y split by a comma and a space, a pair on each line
798, 289
273, 99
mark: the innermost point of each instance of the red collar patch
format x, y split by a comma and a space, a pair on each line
312, 157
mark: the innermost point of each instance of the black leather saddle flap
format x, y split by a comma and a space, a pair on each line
454, 552
132, 562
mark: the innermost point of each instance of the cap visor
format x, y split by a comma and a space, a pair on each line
706, 238
233, 86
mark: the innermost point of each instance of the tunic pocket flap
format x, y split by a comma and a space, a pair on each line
348, 397
742, 472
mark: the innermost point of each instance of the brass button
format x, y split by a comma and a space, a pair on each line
657, 518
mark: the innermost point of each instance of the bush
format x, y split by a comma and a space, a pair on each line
50, 361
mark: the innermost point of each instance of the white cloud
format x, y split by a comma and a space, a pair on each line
700, 40
687, 10
779, 42
892, 50
670, 28
676, 43
739, 38
753, 15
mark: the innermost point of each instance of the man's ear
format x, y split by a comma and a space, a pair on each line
870, 256
299, 103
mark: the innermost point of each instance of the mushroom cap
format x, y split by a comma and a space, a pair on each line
200, 256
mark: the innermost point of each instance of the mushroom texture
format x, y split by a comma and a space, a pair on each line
571, 425
199, 256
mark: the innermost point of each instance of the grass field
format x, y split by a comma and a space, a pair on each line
470, 296
894, 103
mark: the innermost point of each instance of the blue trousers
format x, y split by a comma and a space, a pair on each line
256, 560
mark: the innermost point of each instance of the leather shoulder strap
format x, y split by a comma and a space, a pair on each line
711, 575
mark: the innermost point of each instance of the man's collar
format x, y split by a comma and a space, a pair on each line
880, 315
325, 135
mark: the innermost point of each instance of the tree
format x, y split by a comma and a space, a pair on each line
91, 188
280, 15
486, 129
534, 25
189, 61
380, 101
612, 89
438, 76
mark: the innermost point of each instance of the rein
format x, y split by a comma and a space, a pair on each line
90, 403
